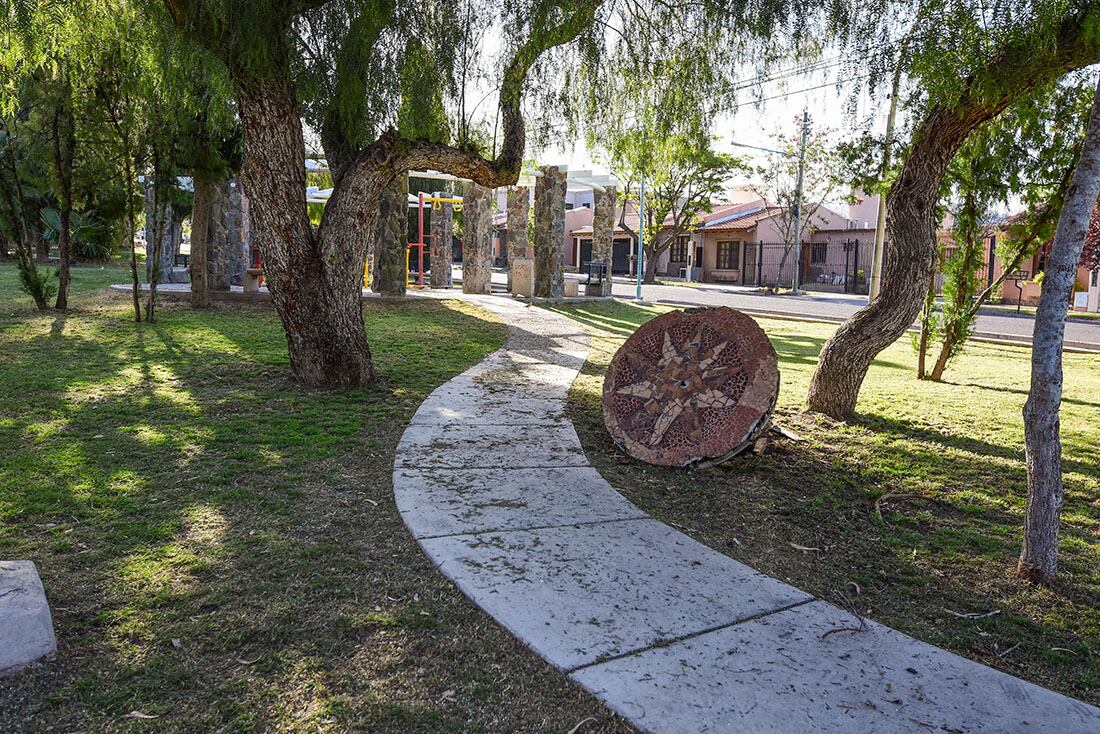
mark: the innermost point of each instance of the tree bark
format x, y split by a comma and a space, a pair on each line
131, 222
64, 141
651, 255
1039, 558
911, 224
200, 240
911, 207
315, 279
153, 256
925, 330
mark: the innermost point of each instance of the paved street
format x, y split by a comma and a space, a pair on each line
834, 307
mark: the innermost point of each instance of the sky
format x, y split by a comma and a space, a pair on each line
829, 106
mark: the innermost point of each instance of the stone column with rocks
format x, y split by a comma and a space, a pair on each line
391, 275
603, 233
218, 263
477, 238
442, 224
517, 241
549, 232
171, 235
230, 253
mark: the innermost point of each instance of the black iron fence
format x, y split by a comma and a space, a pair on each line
840, 266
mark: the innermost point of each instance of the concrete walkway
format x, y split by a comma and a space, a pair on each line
491, 479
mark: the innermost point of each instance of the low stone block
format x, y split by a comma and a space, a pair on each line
26, 628
570, 288
523, 277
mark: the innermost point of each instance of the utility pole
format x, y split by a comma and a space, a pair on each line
798, 204
641, 237
880, 224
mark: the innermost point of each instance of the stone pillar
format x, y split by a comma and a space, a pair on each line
549, 232
392, 274
477, 238
518, 243
603, 233
218, 260
230, 251
442, 225
171, 236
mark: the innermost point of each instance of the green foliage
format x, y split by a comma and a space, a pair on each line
85, 229
421, 114
38, 283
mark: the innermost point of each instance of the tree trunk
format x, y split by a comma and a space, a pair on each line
153, 256
1039, 558
131, 223
200, 240
651, 256
64, 140
315, 279
925, 330
911, 224
1015, 70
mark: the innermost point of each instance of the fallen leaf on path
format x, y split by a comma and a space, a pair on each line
796, 546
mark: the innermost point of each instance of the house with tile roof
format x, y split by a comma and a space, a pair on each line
743, 243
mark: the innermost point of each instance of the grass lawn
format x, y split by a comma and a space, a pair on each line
948, 549
220, 547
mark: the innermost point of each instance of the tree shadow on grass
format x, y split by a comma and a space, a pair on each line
1025, 393
195, 496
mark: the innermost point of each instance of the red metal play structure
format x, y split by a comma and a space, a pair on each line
422, 239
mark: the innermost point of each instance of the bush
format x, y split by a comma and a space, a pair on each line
39, 284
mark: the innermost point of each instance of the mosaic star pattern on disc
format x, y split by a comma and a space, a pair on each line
690, 386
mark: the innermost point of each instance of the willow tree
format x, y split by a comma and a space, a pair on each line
970, 63
348, 56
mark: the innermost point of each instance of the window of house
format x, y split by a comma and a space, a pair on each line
729, 256
679, 250
819, 252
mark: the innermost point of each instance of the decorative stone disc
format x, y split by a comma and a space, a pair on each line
691, 386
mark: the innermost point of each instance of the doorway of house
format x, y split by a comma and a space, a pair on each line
620, 257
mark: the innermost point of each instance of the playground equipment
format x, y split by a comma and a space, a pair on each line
423, 240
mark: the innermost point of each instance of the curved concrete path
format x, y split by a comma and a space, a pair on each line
491, 479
